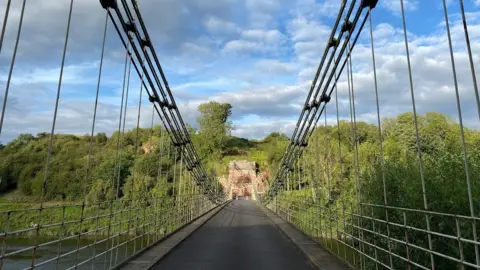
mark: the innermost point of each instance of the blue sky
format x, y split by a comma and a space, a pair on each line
258, 55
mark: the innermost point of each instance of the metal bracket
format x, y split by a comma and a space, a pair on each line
369, 3
163, 103
325, 98
347, 26
333, 42
146, 43
109, 4
130, 27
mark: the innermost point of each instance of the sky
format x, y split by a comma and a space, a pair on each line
258, 55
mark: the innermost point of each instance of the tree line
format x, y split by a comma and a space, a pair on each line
352, 168
339, 169
135, 160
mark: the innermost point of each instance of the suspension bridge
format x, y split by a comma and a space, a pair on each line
344, 195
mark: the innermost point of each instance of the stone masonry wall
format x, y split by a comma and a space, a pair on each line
243, 176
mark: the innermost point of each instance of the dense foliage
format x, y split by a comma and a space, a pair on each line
103, 168
328, 171
214, 129
22, 164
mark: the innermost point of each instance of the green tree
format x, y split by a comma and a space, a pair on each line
214, 128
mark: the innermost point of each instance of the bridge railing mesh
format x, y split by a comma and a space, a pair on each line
93, 235
119, 195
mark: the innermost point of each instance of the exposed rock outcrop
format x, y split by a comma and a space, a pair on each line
244, 179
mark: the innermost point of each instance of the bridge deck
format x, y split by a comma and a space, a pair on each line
240, 236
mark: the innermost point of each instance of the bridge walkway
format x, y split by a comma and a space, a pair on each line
240, 236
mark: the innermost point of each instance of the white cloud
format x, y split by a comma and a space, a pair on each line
262, 13
318, 9
218, 50
431, 70
196, 50
216, 25
216, 83
260, 130
256, 40
242, 46
267, 36
302, 29
309, 38
273, 66
81, 73
395, 5
266, 6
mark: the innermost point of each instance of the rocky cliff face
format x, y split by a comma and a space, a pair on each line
243, 179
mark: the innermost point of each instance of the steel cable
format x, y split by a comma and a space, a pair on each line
292, 152
462, 133
472, 67
52, 133
12, 64
380, 138
417, 136
83, 184
5, 21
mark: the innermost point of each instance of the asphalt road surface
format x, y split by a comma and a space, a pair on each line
239, 237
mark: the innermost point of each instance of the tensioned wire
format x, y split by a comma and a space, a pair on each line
135, 155
312, 88
328, 176
462, 133
340, 163
5, 21
302, 133
12, 64
297, 150
321, 64
14, 57
54, 121
353, 124
120, 141
167, 121
386, 199
289, 154
83, 185
417, 136
305, 132
119, 149
151, 197
335, 85
470, 58
380, 138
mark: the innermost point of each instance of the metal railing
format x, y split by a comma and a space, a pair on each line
366, 239
100, 235
116, 214
376, 207
395, 193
